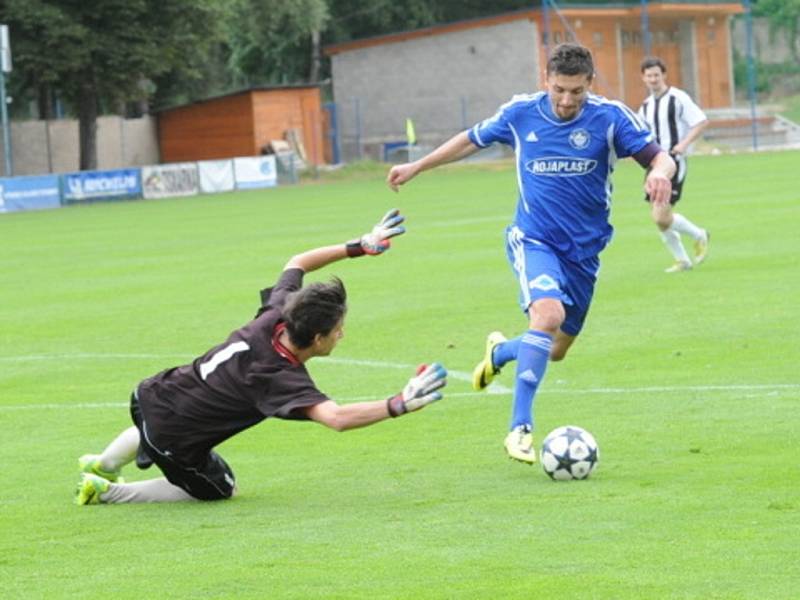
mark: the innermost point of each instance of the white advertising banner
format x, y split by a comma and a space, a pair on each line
216, 176
255, 172
166, 181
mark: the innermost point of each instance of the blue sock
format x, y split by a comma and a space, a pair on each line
532, 357
506, 352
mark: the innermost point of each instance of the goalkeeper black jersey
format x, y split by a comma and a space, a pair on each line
251, 376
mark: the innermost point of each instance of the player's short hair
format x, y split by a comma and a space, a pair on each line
653, 61
314, 309
571, 59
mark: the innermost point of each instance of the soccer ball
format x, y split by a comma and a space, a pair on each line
569, 453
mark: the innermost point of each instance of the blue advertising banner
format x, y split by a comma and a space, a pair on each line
97, 185
29, 193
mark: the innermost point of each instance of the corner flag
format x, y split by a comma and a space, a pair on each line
410, 135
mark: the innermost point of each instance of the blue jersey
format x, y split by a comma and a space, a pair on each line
564, 167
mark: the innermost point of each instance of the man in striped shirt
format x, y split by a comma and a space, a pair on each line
676, 121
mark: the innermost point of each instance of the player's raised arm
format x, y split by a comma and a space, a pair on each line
456, 148
376, 241
421, 390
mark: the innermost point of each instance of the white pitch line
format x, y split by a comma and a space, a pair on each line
770, 389
494, 388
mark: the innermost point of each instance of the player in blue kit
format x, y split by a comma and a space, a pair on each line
566, 142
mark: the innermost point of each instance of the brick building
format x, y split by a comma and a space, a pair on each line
449, 76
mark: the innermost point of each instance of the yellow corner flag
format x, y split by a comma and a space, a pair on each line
410, 135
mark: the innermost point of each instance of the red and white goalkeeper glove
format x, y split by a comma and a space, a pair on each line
421, 390
378, 241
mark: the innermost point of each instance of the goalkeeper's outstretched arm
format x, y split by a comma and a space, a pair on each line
421, 390
377, 241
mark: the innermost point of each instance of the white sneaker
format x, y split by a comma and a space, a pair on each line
679, 266
519, 444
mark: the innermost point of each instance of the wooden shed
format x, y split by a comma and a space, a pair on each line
242, 124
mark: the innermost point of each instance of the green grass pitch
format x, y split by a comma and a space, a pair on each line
689, 382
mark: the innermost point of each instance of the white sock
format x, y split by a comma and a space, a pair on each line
683, 225
673, 242
121, 451
152, 490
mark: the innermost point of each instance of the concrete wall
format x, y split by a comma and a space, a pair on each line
768, 48
444, 82
40, 147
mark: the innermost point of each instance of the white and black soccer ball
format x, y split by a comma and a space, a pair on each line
569, 452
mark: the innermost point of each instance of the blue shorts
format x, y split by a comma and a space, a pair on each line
541, 273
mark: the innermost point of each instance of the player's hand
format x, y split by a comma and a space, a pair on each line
421, 390
677, 150
658, 187
399, 174
377, 240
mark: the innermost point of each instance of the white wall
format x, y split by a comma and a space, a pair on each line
40, 147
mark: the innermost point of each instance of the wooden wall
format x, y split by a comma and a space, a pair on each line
217, 128
615, 39
277, 111
241, 124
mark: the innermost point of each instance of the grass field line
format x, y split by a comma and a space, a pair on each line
770, 388
494, 388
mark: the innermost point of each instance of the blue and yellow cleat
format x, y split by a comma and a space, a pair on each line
485, 370
90, 488
519, 444
90, 463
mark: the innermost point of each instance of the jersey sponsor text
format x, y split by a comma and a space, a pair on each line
561, 166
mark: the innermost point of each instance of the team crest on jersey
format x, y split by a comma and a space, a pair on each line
579, 139
544, 283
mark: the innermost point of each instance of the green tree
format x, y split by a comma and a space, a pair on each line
103, 52
275, 41
783, 15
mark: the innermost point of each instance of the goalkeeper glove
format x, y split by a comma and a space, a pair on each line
420, 390
378, 241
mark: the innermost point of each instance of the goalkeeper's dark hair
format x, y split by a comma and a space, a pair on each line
314, 309
570, 59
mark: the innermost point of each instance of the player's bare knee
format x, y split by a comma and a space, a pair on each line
547, 315
663, 224
557, 354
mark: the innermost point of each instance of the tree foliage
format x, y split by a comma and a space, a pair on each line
103, 52
270, 41
783, 15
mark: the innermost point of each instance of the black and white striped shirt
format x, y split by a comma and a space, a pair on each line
670, 116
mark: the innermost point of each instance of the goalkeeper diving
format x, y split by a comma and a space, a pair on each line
181, 414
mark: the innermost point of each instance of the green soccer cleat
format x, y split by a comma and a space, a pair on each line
701, 247
485, 370
89, 489
90, 463
519, 444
